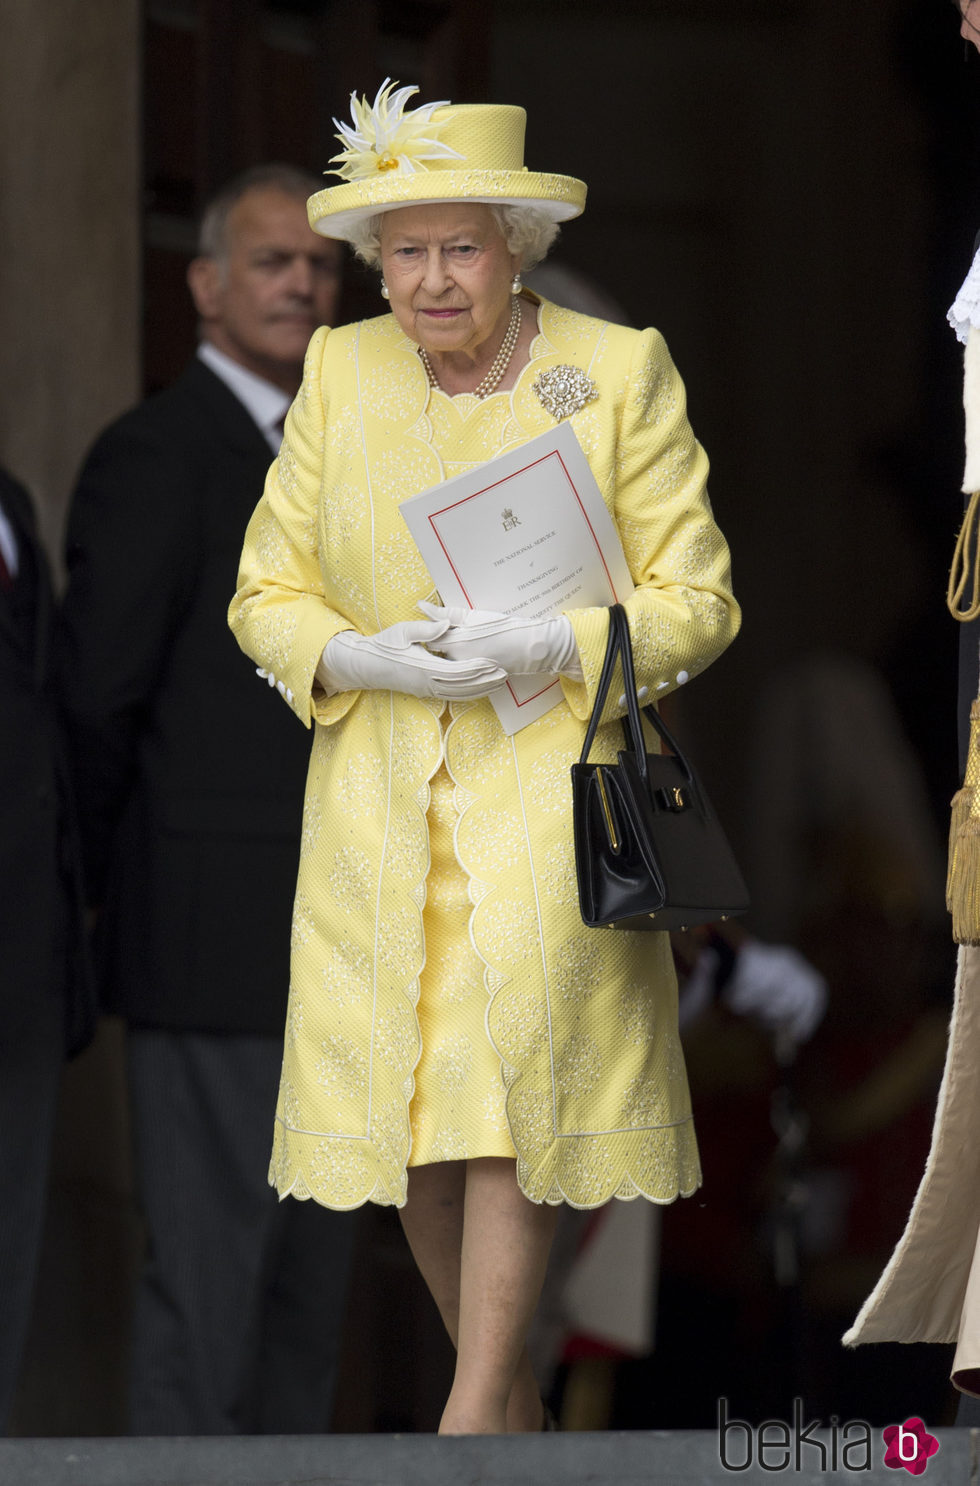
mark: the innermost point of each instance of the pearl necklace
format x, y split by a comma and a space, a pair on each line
501, 361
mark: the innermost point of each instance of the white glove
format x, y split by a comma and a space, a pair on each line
395, 659
519, 647
769, 982
777, 986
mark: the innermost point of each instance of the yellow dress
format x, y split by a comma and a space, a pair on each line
446, 999
457, 1110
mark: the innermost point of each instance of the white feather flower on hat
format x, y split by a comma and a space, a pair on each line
386, 137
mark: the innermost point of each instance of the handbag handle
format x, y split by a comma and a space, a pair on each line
619, 645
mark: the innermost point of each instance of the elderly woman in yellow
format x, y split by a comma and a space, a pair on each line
458, 1042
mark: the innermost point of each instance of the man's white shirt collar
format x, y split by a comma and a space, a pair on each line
264, 401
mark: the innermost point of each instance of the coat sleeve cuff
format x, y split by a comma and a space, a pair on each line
591, 627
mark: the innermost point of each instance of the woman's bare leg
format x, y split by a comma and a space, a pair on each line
506, 1240
482, 1249
433, 1222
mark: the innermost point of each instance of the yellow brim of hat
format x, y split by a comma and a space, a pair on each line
485, 162
339, 210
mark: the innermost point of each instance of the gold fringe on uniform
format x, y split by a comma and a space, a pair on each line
965, 895
963, 872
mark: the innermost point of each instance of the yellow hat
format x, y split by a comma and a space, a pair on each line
439, 152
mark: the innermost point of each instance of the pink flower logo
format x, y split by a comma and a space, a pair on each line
910, 1446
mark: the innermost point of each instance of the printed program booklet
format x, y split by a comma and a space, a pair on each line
526, 533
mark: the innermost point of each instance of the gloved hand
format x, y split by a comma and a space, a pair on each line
519, 647
395, 659
778, 987
771, 983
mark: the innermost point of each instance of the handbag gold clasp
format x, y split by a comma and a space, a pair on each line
673, 798
607, 810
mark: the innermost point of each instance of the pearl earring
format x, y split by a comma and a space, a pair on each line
515, 284
384, 290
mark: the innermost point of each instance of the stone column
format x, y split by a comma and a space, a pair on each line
70, 228
70, 308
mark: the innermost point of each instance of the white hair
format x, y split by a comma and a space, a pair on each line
527, 231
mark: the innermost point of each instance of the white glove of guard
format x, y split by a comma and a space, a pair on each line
395, 659
778, 987
519, 647
771, 983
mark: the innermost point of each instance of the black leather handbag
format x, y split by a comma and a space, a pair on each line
650, 852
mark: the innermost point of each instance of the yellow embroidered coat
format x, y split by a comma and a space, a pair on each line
584, 1020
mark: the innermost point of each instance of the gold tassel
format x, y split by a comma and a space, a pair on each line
964, 826
959, 814
965, 890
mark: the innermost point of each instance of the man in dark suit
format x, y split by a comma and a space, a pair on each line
46, 1002
190, 785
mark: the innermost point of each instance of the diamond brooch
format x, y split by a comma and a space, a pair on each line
562, 390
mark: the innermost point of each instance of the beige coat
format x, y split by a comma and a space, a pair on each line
930, 1289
